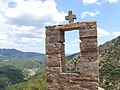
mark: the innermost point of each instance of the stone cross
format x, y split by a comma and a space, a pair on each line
70, 17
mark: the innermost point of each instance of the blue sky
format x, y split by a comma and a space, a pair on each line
22, 22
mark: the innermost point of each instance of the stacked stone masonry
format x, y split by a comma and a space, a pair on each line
56, 76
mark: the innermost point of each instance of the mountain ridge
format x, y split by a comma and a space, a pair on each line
12, 52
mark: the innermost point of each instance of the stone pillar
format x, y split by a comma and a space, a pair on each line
54, 56
89, 65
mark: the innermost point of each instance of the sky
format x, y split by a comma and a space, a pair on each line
22, 22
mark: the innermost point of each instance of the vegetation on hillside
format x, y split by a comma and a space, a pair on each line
37, 82
10, 75
109, 56
15, 66
110, 66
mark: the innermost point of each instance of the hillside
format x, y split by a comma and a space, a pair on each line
37, 82
17, 66
109, 56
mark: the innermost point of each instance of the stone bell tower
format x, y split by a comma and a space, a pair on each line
56, 76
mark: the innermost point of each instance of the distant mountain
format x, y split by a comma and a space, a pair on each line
20, 59
14, 52
109, 56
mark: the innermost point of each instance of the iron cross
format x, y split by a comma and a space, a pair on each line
70, 17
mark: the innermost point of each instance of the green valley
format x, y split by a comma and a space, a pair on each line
17, 66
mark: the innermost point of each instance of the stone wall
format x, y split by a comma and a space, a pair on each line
56, 76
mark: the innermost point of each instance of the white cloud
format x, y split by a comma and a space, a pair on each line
24, 21
117, 33
95, 12
101, 32
90, 2
112, 1
33, 13
2, 19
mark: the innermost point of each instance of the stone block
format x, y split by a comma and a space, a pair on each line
50, 32
88, 33
89, 58
89, 53
51, 39
53, 60
85, 78
83, 46
78, 82
55, 36
90, 25
89, 68
52, 78
89, 49
88, 85
87, 42
55, 70
54, 48
89, 37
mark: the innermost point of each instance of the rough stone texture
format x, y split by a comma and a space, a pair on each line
56, 76
70, 17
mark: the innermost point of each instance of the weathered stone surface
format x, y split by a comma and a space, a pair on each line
52, 32
52, 78
89, 58
88, 49
70, 81
53, 60
70, 17
85, 47
89, 68
87, 33
74, 26
56, 36
89, 53
54, 48
87, 77
63, 67
89, 41
92, 40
